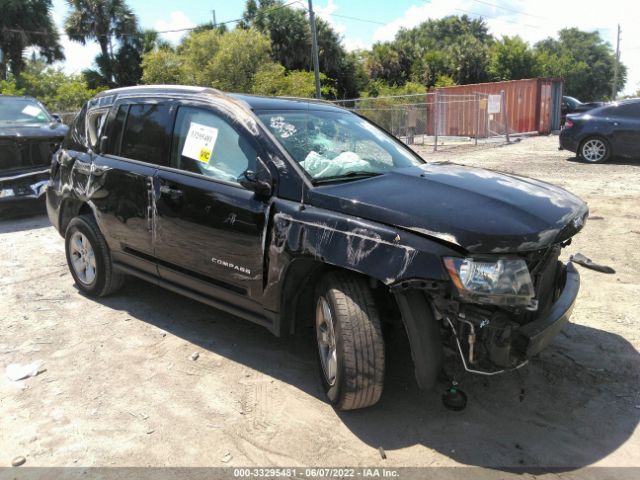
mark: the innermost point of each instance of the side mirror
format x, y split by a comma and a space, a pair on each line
260, 180
102, 145
57, 117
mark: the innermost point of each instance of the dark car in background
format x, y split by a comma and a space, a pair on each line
29, 135
599, 134
573, 105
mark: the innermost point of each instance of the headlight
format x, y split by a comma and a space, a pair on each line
505, 281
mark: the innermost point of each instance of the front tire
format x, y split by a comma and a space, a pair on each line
594, 150
89, 258
349, 340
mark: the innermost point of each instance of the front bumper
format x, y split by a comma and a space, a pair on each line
21, 190
533, 337
23, 186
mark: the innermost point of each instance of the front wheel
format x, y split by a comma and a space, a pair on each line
595, 150
349, 340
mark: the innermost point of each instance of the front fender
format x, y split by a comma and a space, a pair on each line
381, 252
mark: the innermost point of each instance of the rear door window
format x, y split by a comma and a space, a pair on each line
142, 132
205, 143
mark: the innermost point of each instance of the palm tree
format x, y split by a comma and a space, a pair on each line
26, 23
101, 21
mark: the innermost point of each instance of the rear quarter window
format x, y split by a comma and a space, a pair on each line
76, 137
622, 110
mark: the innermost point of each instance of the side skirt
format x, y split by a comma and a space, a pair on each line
268, 320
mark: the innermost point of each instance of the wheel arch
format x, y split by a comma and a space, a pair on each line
71, 208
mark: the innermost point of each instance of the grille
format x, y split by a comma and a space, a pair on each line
14, 156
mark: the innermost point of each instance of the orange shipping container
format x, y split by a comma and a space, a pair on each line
532, 105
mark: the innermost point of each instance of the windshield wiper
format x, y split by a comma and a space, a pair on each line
354, 175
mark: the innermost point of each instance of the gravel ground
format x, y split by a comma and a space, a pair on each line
118, 385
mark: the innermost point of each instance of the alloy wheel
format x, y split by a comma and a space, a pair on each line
83, 259
326, 338
594, 150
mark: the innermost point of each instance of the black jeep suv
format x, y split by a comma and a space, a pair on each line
283, 211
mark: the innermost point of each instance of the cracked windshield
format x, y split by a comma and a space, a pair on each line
335, 145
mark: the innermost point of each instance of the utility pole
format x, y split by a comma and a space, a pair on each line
614, 90
314, 48
215, 24
3, 68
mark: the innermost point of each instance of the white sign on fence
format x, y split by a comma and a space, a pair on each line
495, 102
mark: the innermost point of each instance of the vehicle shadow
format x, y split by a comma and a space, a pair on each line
612, 161
19, 221
570, 407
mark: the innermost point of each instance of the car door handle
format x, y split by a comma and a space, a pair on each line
174, 193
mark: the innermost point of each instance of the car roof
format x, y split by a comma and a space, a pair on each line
258, 102
252, 102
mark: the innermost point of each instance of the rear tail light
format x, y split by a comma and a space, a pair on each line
568, 124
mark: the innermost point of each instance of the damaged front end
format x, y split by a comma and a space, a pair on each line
499, 311
19, 190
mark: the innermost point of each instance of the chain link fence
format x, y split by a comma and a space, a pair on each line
437, 119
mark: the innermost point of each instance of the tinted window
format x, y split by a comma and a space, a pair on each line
75, 139
627, 110
115, 130
206, 143
146, 133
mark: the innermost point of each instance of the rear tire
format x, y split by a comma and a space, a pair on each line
89, 258
594, 150
349, 339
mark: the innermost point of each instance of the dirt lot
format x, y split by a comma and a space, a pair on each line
119, 387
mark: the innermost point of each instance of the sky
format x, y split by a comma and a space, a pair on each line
364, 22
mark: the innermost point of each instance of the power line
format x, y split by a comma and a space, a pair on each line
497, 18
357, 19
174, 30
509, 9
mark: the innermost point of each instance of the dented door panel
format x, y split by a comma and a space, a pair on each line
121, 193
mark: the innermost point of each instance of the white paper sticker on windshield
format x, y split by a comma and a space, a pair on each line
31, 111
200, 142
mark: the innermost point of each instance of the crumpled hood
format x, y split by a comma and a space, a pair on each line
46, 130
479, 210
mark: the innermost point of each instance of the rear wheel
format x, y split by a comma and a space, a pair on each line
349, 340
89, 258
595, 150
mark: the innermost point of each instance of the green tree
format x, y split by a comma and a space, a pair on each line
162, 66
272, 79
106, 22
512, 59
23, 24
239, 56
58, 91
583, 60
471, 60
228, 61
454, 46
388, 63
290, 35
